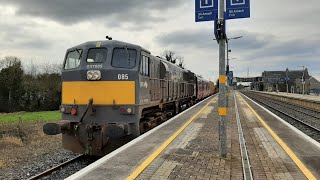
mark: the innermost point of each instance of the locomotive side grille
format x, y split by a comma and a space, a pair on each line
103, 92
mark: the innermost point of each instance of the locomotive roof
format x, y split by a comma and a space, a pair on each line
120, 43
109, 43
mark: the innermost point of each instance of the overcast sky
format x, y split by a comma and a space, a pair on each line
278, 35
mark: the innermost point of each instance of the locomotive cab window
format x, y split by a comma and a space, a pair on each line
124, 58
144, 66
97, 55
73, 59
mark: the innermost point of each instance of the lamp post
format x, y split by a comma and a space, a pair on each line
229, 50
302, 79
287, 79
303, 82
277, 81
227, 66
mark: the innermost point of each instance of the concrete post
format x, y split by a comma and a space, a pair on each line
222, 88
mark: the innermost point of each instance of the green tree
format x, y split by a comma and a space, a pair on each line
11, 88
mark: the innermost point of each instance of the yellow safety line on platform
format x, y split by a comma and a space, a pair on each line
149, 160
284, 146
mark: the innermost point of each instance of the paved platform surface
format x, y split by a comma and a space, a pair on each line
194, 153
306, 149
297, 96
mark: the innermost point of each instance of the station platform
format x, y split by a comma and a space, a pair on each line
186, 147
295, 96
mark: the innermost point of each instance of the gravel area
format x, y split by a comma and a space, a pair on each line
71, 168
26, 151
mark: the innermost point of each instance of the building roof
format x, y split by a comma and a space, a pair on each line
295, 74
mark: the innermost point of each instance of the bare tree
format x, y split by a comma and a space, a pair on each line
9, 61
169, 56
51, 68
181, 62
32, 69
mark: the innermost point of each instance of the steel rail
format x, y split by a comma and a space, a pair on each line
289, 106
286, 114
55, 168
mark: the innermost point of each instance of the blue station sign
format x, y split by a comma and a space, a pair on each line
238, 9
206, 10
230, 77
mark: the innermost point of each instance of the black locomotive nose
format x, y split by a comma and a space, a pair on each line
52, 129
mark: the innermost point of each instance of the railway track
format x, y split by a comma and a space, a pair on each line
307, 116
53, 173
306, 120
301, 109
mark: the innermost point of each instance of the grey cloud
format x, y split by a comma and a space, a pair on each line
254, 44
74, 11
21, 36
287, 48
199, 39
261, 51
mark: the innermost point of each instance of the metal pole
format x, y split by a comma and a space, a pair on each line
227, 52
287, 81
303, 80
222, 89
228, 88
277, 86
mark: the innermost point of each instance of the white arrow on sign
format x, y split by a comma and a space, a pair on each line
206, 4
237, 2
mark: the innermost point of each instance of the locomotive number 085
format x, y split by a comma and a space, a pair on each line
123, 76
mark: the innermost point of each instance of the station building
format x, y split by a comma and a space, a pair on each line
294, 80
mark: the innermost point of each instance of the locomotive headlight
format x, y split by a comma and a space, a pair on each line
62, 109
93, 75
128, 110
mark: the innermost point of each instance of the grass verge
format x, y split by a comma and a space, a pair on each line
30, 117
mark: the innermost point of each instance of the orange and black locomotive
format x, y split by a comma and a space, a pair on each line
113, 90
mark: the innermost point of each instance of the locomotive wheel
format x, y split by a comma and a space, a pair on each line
134, 129
177, 108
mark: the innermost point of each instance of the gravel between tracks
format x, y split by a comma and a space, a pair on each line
71, 168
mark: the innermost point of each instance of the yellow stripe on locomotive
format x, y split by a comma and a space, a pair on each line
103, 92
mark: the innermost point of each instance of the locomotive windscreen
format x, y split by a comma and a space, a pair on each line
97, 55
73, 59
124, 58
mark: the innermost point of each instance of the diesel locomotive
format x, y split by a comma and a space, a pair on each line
113, 90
